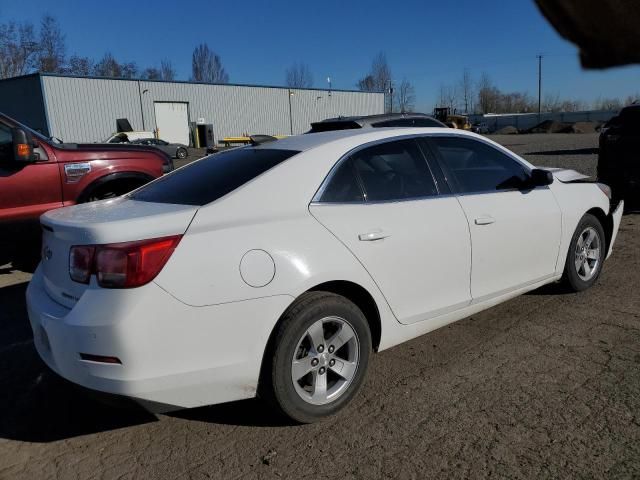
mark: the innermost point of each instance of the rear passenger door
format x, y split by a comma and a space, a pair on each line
383, 203
515, 231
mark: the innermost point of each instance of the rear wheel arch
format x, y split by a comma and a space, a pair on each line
121, 182
353, 292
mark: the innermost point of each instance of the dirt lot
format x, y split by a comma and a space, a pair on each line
546, 385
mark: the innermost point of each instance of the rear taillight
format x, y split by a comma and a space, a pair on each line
121, 265
81, 263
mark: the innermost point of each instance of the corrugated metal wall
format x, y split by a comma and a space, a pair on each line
21, 98
86, 109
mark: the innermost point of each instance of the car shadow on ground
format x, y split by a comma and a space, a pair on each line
248, 413
36, 404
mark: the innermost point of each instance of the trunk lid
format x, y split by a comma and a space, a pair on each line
109, 221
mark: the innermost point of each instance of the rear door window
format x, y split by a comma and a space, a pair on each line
206, 180
343, 186
393, 171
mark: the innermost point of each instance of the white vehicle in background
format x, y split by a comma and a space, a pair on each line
277, 270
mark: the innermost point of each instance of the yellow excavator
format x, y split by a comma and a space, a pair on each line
453, 120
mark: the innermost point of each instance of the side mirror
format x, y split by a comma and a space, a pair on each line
22, 146
540, 178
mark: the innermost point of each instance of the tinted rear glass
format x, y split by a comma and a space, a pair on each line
409, 122
208, 179
331, 126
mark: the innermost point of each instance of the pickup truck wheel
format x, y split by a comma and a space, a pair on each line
111, 190
182, 153
587, 252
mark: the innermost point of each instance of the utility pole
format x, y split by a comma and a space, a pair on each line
539, 84
390, 96
290, 115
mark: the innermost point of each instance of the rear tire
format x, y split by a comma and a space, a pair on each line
182, 153
318, 357
587, 252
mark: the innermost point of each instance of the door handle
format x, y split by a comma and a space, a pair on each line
372, 236
485, 220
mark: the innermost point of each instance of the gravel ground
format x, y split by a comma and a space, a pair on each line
545, 385
568, 150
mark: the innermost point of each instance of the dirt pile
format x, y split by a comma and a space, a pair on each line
508, 130
586, 127
551, 126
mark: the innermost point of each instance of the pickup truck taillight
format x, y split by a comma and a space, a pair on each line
121, 265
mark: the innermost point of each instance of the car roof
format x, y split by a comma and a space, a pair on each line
308, 141
368, 120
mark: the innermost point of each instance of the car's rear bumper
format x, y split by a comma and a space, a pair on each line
172, 355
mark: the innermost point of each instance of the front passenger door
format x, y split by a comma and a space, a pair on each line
383, 204
515, 232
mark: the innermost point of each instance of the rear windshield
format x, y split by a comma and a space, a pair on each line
208, 179
331, 126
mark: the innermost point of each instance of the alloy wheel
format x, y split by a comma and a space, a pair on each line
325, 360
587, 254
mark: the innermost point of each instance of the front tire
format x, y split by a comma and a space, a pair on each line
586, 255
318, 357
182, 153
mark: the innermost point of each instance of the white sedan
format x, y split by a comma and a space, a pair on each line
277, 270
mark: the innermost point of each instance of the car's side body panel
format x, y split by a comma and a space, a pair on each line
422, 261
515, 237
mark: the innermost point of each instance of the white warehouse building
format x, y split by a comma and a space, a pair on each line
85, 109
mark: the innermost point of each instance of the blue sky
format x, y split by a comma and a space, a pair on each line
430, 43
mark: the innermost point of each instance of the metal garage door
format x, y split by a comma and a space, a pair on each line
172, 121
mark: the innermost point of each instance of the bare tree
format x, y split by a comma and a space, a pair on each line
488, 95
108, 66
378, 79
82, 66
366, 84
129, 70
206, 66
51, 49
151, 73
466, 91
167, 72
607, 104
405, 96
448, 96
299, 76
18, 49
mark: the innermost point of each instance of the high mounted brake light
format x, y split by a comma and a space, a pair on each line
121, 265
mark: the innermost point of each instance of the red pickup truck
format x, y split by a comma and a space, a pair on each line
37, 174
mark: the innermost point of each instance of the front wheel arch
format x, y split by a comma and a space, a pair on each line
607, 225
